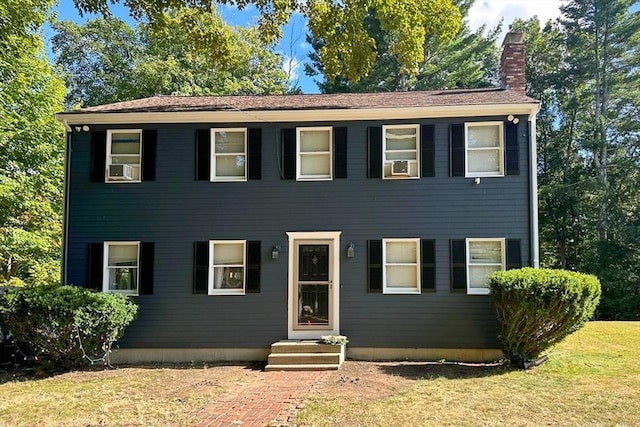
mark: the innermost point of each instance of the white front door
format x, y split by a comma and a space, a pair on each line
314, 284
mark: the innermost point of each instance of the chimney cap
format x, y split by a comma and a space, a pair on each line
513, 37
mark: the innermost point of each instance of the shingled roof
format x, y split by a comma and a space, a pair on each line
351, 101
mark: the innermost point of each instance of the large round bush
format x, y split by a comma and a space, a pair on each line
537, 308
65, 324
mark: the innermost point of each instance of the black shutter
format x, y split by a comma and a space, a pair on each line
147, 252
375, 152
254, 155
428, 252
253, 266
511, 149
288, 153
200, 267
456, 136
458, 265
340, 152
374, 264
427, 150
203, 155
98, 155
149, 144
95, 267
514, 256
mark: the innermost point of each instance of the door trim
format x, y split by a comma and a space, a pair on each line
334, 260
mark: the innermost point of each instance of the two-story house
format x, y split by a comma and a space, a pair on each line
238, 221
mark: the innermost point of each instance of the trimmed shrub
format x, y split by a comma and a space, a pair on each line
537, 308
67, 325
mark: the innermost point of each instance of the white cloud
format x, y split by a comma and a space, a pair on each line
490, 12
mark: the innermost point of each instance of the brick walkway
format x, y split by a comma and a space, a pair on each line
272, 401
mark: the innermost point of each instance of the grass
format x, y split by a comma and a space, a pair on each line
131, 396
591, 378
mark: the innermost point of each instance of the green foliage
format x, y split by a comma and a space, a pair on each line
63, 323
537, 308
347, 49
31, 148
334, 339
106, 61
584, 69
468, 60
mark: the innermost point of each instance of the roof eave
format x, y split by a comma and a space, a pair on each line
311, 115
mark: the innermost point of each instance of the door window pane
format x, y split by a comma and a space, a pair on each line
313, 304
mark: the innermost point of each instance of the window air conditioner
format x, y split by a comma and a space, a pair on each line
400, 168
121, 172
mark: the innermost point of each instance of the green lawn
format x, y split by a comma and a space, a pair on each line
591, 378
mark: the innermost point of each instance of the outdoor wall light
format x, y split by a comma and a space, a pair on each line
351, 251
477, 180
275, 252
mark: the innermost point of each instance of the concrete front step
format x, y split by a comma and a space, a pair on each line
303, 346
304, 355
307, 367
303, 358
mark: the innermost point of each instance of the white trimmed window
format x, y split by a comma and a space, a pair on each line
484, 257
227, 275
229, 154
484, 143
314, 152
401, 151
124, 155
121, 261
401, 266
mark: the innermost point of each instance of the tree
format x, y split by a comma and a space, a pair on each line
585, 68
31, 149
105, 60
347, 49
468, 60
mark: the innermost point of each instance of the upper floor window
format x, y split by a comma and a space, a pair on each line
484, 149
401, 151
227, 260
124, 155
484, 257
401, 266
228, 154
314, 154
121, 261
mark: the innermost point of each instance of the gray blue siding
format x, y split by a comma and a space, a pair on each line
175, 210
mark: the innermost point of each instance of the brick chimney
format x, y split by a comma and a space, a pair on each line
512, 67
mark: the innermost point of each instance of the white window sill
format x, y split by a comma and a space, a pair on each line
478, 291
401, 291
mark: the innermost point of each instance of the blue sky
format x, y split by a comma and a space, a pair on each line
294, 49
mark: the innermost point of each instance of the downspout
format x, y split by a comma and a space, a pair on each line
533, 191
65, 201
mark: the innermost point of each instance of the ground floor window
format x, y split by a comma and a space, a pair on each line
227, 260
401, 261
484, 257
121, 261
